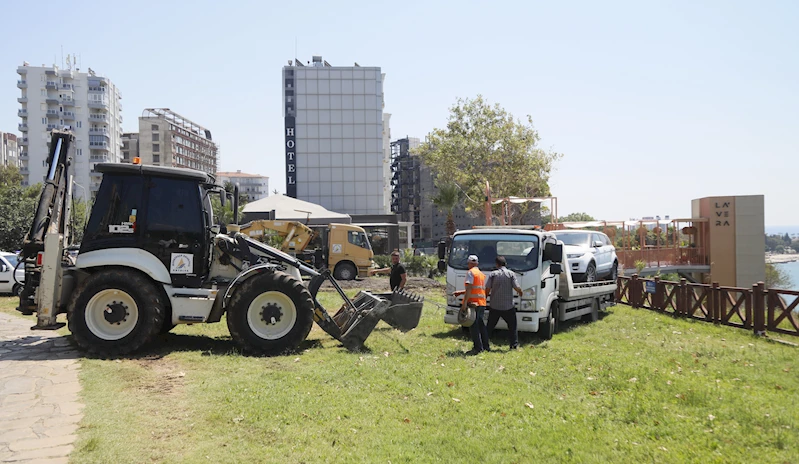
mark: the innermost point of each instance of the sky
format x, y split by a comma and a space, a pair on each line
652, 104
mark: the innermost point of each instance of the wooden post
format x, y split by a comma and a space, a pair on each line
618, 289
657, 298
715, 299
634, 291
682, 298
748, 309
758, 295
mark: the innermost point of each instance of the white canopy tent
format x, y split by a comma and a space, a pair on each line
288, 208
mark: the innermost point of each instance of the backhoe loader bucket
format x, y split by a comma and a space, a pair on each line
405, 310
401, 310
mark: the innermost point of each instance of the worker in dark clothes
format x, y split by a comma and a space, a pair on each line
500, 285
398, 276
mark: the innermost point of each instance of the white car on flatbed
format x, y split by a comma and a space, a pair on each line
537, 257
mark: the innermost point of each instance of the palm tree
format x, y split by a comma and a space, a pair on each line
448, 197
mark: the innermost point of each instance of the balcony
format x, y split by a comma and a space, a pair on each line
99, 159
66, 73
68, 101
68, 87
95, 117
22, 113
52, 126
67, 115
52, 114
51, 100
95, 145
51, 85
23, 170
23, 155
22, 70
23, 141
22, 84
50, 72
102, 104
22, 99
23, 128
98, 131
97, 89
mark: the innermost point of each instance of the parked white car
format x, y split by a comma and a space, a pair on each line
591, 255
8, 270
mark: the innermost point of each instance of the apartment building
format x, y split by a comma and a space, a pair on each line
86, 103
166, 138
253, 185
9, 151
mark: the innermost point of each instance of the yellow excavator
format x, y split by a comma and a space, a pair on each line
342, 248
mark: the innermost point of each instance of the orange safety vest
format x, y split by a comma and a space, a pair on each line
478, 287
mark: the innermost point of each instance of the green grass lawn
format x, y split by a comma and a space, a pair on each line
634, 386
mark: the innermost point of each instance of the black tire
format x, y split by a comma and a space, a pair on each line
614, 272
549, 326
284, 328
109, 332
345, 271
17, 289
590, 272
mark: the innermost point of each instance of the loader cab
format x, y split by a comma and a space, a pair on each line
161, 210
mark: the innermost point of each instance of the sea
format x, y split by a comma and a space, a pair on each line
792, 269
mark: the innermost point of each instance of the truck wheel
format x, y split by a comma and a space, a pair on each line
614, 272
590, 272
345, 271
550, 325
270, 313
115, 312
17, 290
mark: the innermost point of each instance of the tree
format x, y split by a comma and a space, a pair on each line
483, 143
786, 239
224, 215
577, 217
448, 197
79, 218
776, 277
17, 205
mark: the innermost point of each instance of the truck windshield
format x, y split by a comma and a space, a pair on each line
520, 251
358, 238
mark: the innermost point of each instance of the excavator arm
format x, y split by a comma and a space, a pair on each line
43, 246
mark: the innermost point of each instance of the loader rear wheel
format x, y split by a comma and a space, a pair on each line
115, 312
270, 313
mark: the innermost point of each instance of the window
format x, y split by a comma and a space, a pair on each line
79, 151
520, 251
358, 239
44, 120
154, 127
118, 200
80, 124
156, 147
174, 207
156, 158
156, 137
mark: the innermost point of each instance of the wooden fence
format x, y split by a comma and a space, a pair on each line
756, 308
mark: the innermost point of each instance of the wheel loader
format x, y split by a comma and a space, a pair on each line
152, 257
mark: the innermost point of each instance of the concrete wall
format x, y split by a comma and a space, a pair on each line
750, 248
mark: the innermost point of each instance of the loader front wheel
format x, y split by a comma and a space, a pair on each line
270, 313
114, 312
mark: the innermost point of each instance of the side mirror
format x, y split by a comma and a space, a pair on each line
442, 249
442, 266
3, 268
555, 269
553, 252
598, 244
223, 198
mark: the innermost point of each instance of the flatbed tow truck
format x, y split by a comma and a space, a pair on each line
549, 295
